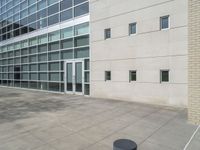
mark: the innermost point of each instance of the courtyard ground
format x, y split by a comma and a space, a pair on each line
31, 120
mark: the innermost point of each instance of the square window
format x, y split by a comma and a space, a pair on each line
107, 75
132, 28
164, 76
132, 75
107, 33
164, 22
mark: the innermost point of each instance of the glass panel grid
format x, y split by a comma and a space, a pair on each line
31, 63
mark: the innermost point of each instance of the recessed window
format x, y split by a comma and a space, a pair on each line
132, 28
107, 33
164, 76
132, 75
107, 75
164, 22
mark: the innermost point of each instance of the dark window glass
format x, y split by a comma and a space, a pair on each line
54, 86
24, 51
24, 30
4, 30
31, 2
107, 33
32, 27
164, 22
16, 25
33, 50
79, 1
107, 75
132, 28
164, 75
4, 37
23, 5
42, 23
49, 2
32, 9
24, 13
54, 46
53, 9
67, 43
16, 33
42, 14
65, 15
132, 75
24, 21
9, 28
81, 41
42, 4
67, 54
53, 19
42, 48
32, 18
9, 35
81, 9
65, 4
81, 52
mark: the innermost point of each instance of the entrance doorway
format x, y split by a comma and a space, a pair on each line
74, 77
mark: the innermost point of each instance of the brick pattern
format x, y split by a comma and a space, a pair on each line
194, 62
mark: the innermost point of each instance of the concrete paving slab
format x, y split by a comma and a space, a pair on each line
48, 121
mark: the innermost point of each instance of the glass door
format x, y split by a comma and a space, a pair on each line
74, 77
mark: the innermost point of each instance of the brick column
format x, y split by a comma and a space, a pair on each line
194, 62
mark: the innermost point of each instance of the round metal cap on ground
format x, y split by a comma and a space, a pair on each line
124, 144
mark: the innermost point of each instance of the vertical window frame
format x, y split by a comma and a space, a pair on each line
161, 24
130, 27
130, 78
106, 75
161, 75
105, 33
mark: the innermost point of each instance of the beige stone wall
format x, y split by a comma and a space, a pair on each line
194, 61
148, 51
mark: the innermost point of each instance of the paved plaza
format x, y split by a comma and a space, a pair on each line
31, 120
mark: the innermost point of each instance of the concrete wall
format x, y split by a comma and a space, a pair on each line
194, 61
147, 52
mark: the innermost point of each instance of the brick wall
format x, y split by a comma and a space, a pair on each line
194, 61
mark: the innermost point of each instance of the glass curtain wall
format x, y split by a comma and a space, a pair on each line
18, 17
38, 62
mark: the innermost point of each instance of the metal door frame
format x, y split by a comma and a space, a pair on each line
73, 62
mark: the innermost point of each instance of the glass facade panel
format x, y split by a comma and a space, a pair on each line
38, 62
54, 76
43, 76
66, 15
81, 41
82, 29
53, 19
67, 32
67, 54
54, 36
54, 46
64, 4
81, 52
68, 43
42, 67
81, 9
54, 66
54, 56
